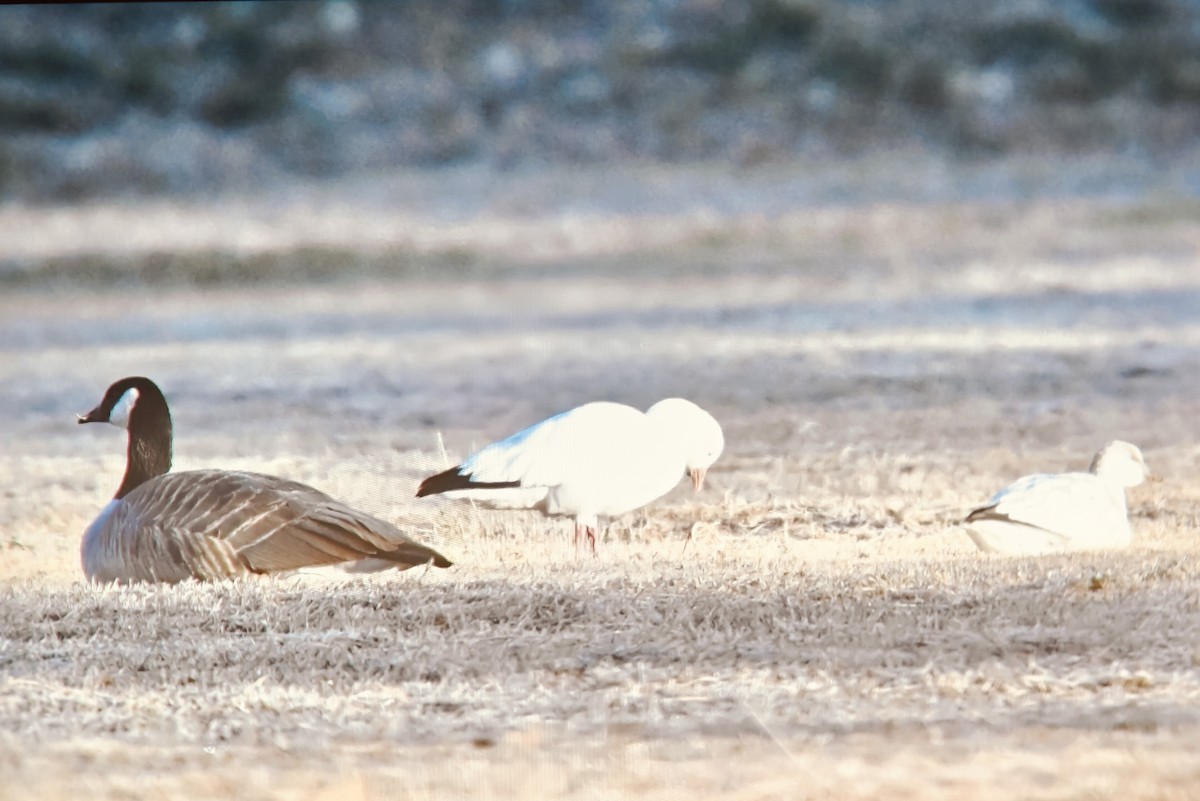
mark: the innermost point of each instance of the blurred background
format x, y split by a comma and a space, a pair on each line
466, 215
136, 99
904, 250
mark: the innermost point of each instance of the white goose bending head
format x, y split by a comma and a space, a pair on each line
599, 459
218, 524
697, 433
1049, 512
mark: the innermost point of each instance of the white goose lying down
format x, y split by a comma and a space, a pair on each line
1062, 512
597, 459
218, 524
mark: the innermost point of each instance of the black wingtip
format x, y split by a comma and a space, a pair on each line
980, 513
443, 481
452, 479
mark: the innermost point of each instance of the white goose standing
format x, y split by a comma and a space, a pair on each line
1050, 512
219, 524
598, 459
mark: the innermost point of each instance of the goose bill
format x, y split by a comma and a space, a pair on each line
697, 476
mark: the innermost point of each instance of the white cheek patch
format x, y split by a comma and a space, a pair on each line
119, 416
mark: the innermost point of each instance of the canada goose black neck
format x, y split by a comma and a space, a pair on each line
138, 404
149, 453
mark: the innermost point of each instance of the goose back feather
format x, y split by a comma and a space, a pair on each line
601, 458
1049, 512
220, 524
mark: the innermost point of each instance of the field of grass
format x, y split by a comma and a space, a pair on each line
813, 624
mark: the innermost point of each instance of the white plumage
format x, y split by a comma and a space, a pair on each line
1046, 512
599, 459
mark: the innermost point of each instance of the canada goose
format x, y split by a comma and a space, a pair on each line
1062, 511
218, 524
597, 459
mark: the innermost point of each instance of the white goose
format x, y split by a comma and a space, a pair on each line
219, 524
597, 459
1049, 512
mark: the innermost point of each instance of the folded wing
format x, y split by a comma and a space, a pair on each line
1074, 508
518, 470
217, 524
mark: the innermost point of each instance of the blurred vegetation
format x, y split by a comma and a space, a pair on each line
189, 97
216, 268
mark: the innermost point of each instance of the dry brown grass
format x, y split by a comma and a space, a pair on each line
812, 626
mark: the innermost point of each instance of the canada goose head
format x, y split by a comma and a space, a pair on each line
1121, 463
137, 405
698, 433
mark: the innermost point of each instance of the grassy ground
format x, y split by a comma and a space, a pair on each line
812, 625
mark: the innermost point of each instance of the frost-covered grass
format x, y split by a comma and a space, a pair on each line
812, 625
